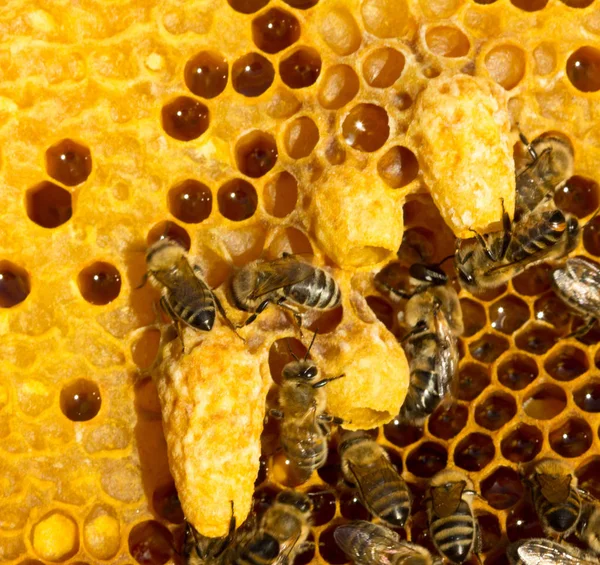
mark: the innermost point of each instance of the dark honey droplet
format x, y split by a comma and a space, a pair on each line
533, 281
323, 506
398, 167
508, 314
206, 74
472, 380
382, 310
488, 347
150, 543
247, 6
427, 459
529, 5
275, 30
366, 127
256, 153
546, 402
80, 400
474, 452
551, 309
588, 397
536, 339
100, 283
69, 162
252, 74
166, 504
495, 411
567, 363
491, 532
572, 439
351, 507
517, 372
301, 69
237, 200
447, 421
14, 284
583, 69
190, 201
329, 549
591, 237
579, 196
48, 205
474, 318
402, 434
185, 118
169, 230
589, 478
522, 523
522, 444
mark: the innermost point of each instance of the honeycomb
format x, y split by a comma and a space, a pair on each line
215, 122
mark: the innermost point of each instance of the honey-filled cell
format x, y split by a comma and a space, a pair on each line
49, 205
583, 69
275, 30
15, 284
206, 74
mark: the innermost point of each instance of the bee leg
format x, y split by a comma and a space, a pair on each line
528, 146
331, 419
420, 326
169, 311
224, 316
481, 240
507, 226
256, 312
582, 330
297, 317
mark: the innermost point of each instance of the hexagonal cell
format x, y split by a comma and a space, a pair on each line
252, 74
190, 201
14, 284
150, 543
579, 196
448, 421
69, 162
588, 476
323, 505
488, 347
545, 402
237, 200
427, 459
506, 65
474, 318
383, 67
567, 363
275, 30
491, 531
102, 533
522, 523
529, 5
331, 472
522, 444
306, 556
473, 378
256, 153
165, 502
80, 400
366, 127
145, 348
280, 195
587, 397
447, 41
169, 230
398, 167
339, 86
517, 372
571, 439
591, 237
533, 281
495, 411
206, 73
583, 69
247, 6
301, 137
99, 283
474, 452
536, 339
185, 118
401, 433
48, 205
55, 537
503, 488
328, 547
301, 68
334, 152
551, 309
508, 314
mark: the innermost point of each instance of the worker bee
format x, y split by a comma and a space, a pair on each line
588, 528
577, 283
546, 552
287, 282
373, 544
555, 497
452, 524
382, 490
202, 550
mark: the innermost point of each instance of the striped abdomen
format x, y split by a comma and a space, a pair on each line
562, 517
193, 306
454, 536
318, 291
304, 445
386, 494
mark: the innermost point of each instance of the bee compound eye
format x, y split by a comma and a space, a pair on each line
310, 372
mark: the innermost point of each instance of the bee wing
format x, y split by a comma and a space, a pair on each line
279, 274
544, 552
366, 478
590, 272
447, 361
188, 285
446, 500
555, 489
531, 189
369, 544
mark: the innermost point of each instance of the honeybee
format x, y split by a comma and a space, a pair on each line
286, 282
373, 544
555, 497
588, 528
201, 550
577, 283
547, 552
382, 490
452, 524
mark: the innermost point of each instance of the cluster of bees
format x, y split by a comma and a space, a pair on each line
538, 232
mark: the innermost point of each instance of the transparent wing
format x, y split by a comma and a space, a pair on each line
279, 274
546, 552
369, 544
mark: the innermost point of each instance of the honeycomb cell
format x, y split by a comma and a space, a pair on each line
489, 294
190, 201
544, 56
567, 363
275, 30
237, 200
280, 195
522, 523
533, 281
551, 309
508, 314
290, 240
517, 372
99, 283
536, 339
301, 4
256, 154
383, 67
523, 444
285, 472
495, 411
491, 531
473, 378
169, 230
335, 153
579, 196
401, 433
366, 127
323, 506
147, 403
301, 137
571, 439
69, 162
474, 318
447, 41
587, 397
340, 32
150, 543
247, 6
382, 310
339, 86
206, 74
281, 353
80, 400
583, 69
301, 68
591, 237
327, 321
252, 74
591, 337
14, 284
474, 452
329, 549
506, 65
448, 421
503, 488
351, 507
48, 205
185, 118
398, 167
529, 5
386, 18
589, 477
427, 459
488, 347
545, 402
402, 101
331, 472
101, 535
165, 502
306, 556
55, 537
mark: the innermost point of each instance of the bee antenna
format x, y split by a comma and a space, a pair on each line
594, 216
287, 342
445, 259
143, 283
311, 344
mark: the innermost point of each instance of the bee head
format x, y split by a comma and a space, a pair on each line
302, 369
164, 254
296, 499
